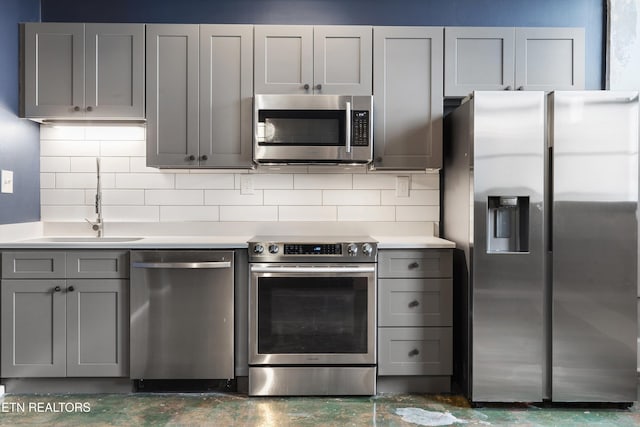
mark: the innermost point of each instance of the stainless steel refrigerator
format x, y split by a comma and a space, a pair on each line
540, 195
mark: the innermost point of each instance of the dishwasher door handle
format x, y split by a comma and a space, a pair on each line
190, 265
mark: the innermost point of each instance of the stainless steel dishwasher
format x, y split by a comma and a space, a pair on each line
182, 315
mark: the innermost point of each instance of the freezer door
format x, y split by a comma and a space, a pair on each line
594, 243
507, 293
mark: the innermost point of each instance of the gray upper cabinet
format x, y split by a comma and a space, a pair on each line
407, 97
506, 58
550, 58
226, 96
199, 95
478, 59
313, 60
83, 71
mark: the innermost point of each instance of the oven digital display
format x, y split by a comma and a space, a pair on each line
321, 249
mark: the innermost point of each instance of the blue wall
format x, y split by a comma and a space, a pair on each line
589, 14
19, 138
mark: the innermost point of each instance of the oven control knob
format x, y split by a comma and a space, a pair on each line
367, 249
352, 249
258, 249
273, 248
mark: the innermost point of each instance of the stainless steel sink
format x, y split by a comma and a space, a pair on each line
83, 239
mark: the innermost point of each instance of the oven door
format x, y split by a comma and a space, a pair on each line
305, 314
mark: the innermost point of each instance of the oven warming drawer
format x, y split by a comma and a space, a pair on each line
312, 381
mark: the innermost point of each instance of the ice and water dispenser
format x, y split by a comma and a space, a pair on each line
508, 224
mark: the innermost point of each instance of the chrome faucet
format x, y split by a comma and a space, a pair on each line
98, 225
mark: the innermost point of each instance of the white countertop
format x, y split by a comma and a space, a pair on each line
199, 242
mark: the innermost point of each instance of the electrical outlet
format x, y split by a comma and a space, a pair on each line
246, 184
402, 186
6, 177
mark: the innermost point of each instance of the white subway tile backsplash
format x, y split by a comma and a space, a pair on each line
68, 148
351, 197
373, 181
323, 182
366, 213
62, 197
416, 198
116, 197
134, 192
84, 180
145, 180
194, 213
307, 213
293, 197
248, 213
131, 213
47, 180
418, 213
205, 181
122, 148
232, 197
55, 164
174, 197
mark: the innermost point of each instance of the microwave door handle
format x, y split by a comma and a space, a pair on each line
348, 127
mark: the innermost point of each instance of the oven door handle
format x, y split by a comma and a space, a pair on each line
332, 269
348, 127
190, 265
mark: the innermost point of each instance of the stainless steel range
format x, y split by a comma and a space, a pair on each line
312, 316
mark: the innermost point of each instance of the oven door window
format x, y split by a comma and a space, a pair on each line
312, 315
301, 127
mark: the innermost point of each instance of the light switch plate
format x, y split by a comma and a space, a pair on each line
6, 177
402, 186
246, 184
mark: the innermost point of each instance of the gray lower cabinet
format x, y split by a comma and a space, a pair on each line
304, 59
199, 96
407, 97
415, 334
507, 58
81, 71
65, 327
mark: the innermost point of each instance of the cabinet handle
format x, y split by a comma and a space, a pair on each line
57, 289
71, 289
319, 87
413, 265
414, 303
204, 157
191, 157
76, 108
414, 352
507, 88
306, 86
89, 108
520, 87
378, 160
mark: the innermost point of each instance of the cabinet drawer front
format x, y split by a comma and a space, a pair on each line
99, 264
415, 263
415, 351
415, 302
33, 265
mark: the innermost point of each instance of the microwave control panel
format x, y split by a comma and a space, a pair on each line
360, 128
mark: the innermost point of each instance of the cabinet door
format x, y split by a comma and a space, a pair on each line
283, 59
549, 58
33, 328
415, 351
407, 89
342, 60
53, 70
478, 58
226, 95
114, 74
415, 302
172, 95
97, 328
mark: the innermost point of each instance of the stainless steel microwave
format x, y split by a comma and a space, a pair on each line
313, 129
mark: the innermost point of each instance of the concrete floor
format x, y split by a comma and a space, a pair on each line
229, 409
